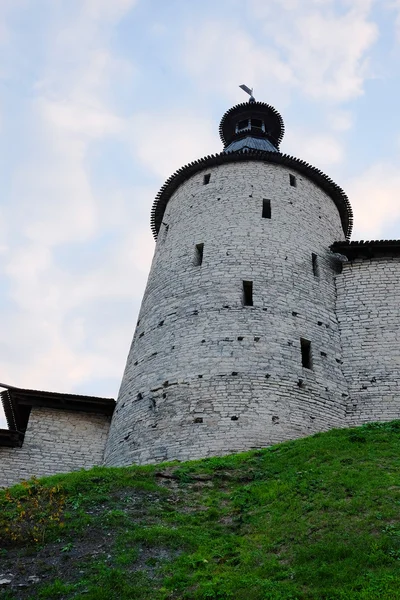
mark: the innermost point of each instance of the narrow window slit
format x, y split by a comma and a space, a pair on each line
248, 293
165, 231
242, 125
266, 209
198, 256
292, 180
206, 178
257, 123
305, 353
315, 266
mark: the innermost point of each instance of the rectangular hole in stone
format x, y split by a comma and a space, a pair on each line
315, 266
248, 293
306, 353
164, 231
266, 209
292, 180
243, 124
206, 178
256, 123
198, 254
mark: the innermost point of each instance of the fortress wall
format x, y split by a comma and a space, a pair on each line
56, 441
368, 309
206, 375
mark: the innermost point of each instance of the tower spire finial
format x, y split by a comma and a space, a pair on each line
248, 91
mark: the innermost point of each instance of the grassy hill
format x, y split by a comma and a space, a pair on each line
317, 518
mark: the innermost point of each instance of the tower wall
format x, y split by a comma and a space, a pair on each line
368, 309
206, 375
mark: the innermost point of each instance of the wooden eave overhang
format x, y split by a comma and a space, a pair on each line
10, 438
318, 177
367, 249
18, 402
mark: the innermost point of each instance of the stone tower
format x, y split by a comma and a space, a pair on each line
237, 344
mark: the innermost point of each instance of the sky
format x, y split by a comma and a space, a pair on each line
101, 101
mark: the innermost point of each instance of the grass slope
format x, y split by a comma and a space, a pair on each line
316, 518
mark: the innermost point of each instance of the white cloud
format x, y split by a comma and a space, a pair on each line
47, 337
72, 117
69, 327
218, 57
394, 5
320, 149
309, 45
177, 138
340, 120
106, 10
325, 47
374, 196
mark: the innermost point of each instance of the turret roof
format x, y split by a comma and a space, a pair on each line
272, 123
252, 131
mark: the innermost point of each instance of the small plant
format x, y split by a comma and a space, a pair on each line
26, 517
68, 547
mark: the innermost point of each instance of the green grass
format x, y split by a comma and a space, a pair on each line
317, 518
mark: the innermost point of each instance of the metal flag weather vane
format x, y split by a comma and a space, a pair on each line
248, 91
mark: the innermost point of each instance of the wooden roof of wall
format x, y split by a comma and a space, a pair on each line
18, 402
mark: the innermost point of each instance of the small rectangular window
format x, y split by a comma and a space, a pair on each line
243, 124
266, 209
165, 231
198, 256
292, 180
256, 123
248, 293
315, 266
206, 178
306, 353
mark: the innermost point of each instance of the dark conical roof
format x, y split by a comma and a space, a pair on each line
264, 123
252, 131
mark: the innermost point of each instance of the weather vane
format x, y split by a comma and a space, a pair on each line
248, 91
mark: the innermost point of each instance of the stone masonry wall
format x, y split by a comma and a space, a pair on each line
368, 309
56, 441
207, 375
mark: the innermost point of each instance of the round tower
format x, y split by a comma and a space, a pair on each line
237, 344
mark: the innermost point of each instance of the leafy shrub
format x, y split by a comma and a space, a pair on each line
26, 515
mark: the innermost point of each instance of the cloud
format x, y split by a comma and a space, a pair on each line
72, 117
56, 217
374, 197
310, 46
178, 138
320, 149
325, 45
218, 57
394, 5
340, 120
106, 10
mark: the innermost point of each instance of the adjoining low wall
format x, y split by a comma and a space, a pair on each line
368, 311
56, 441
